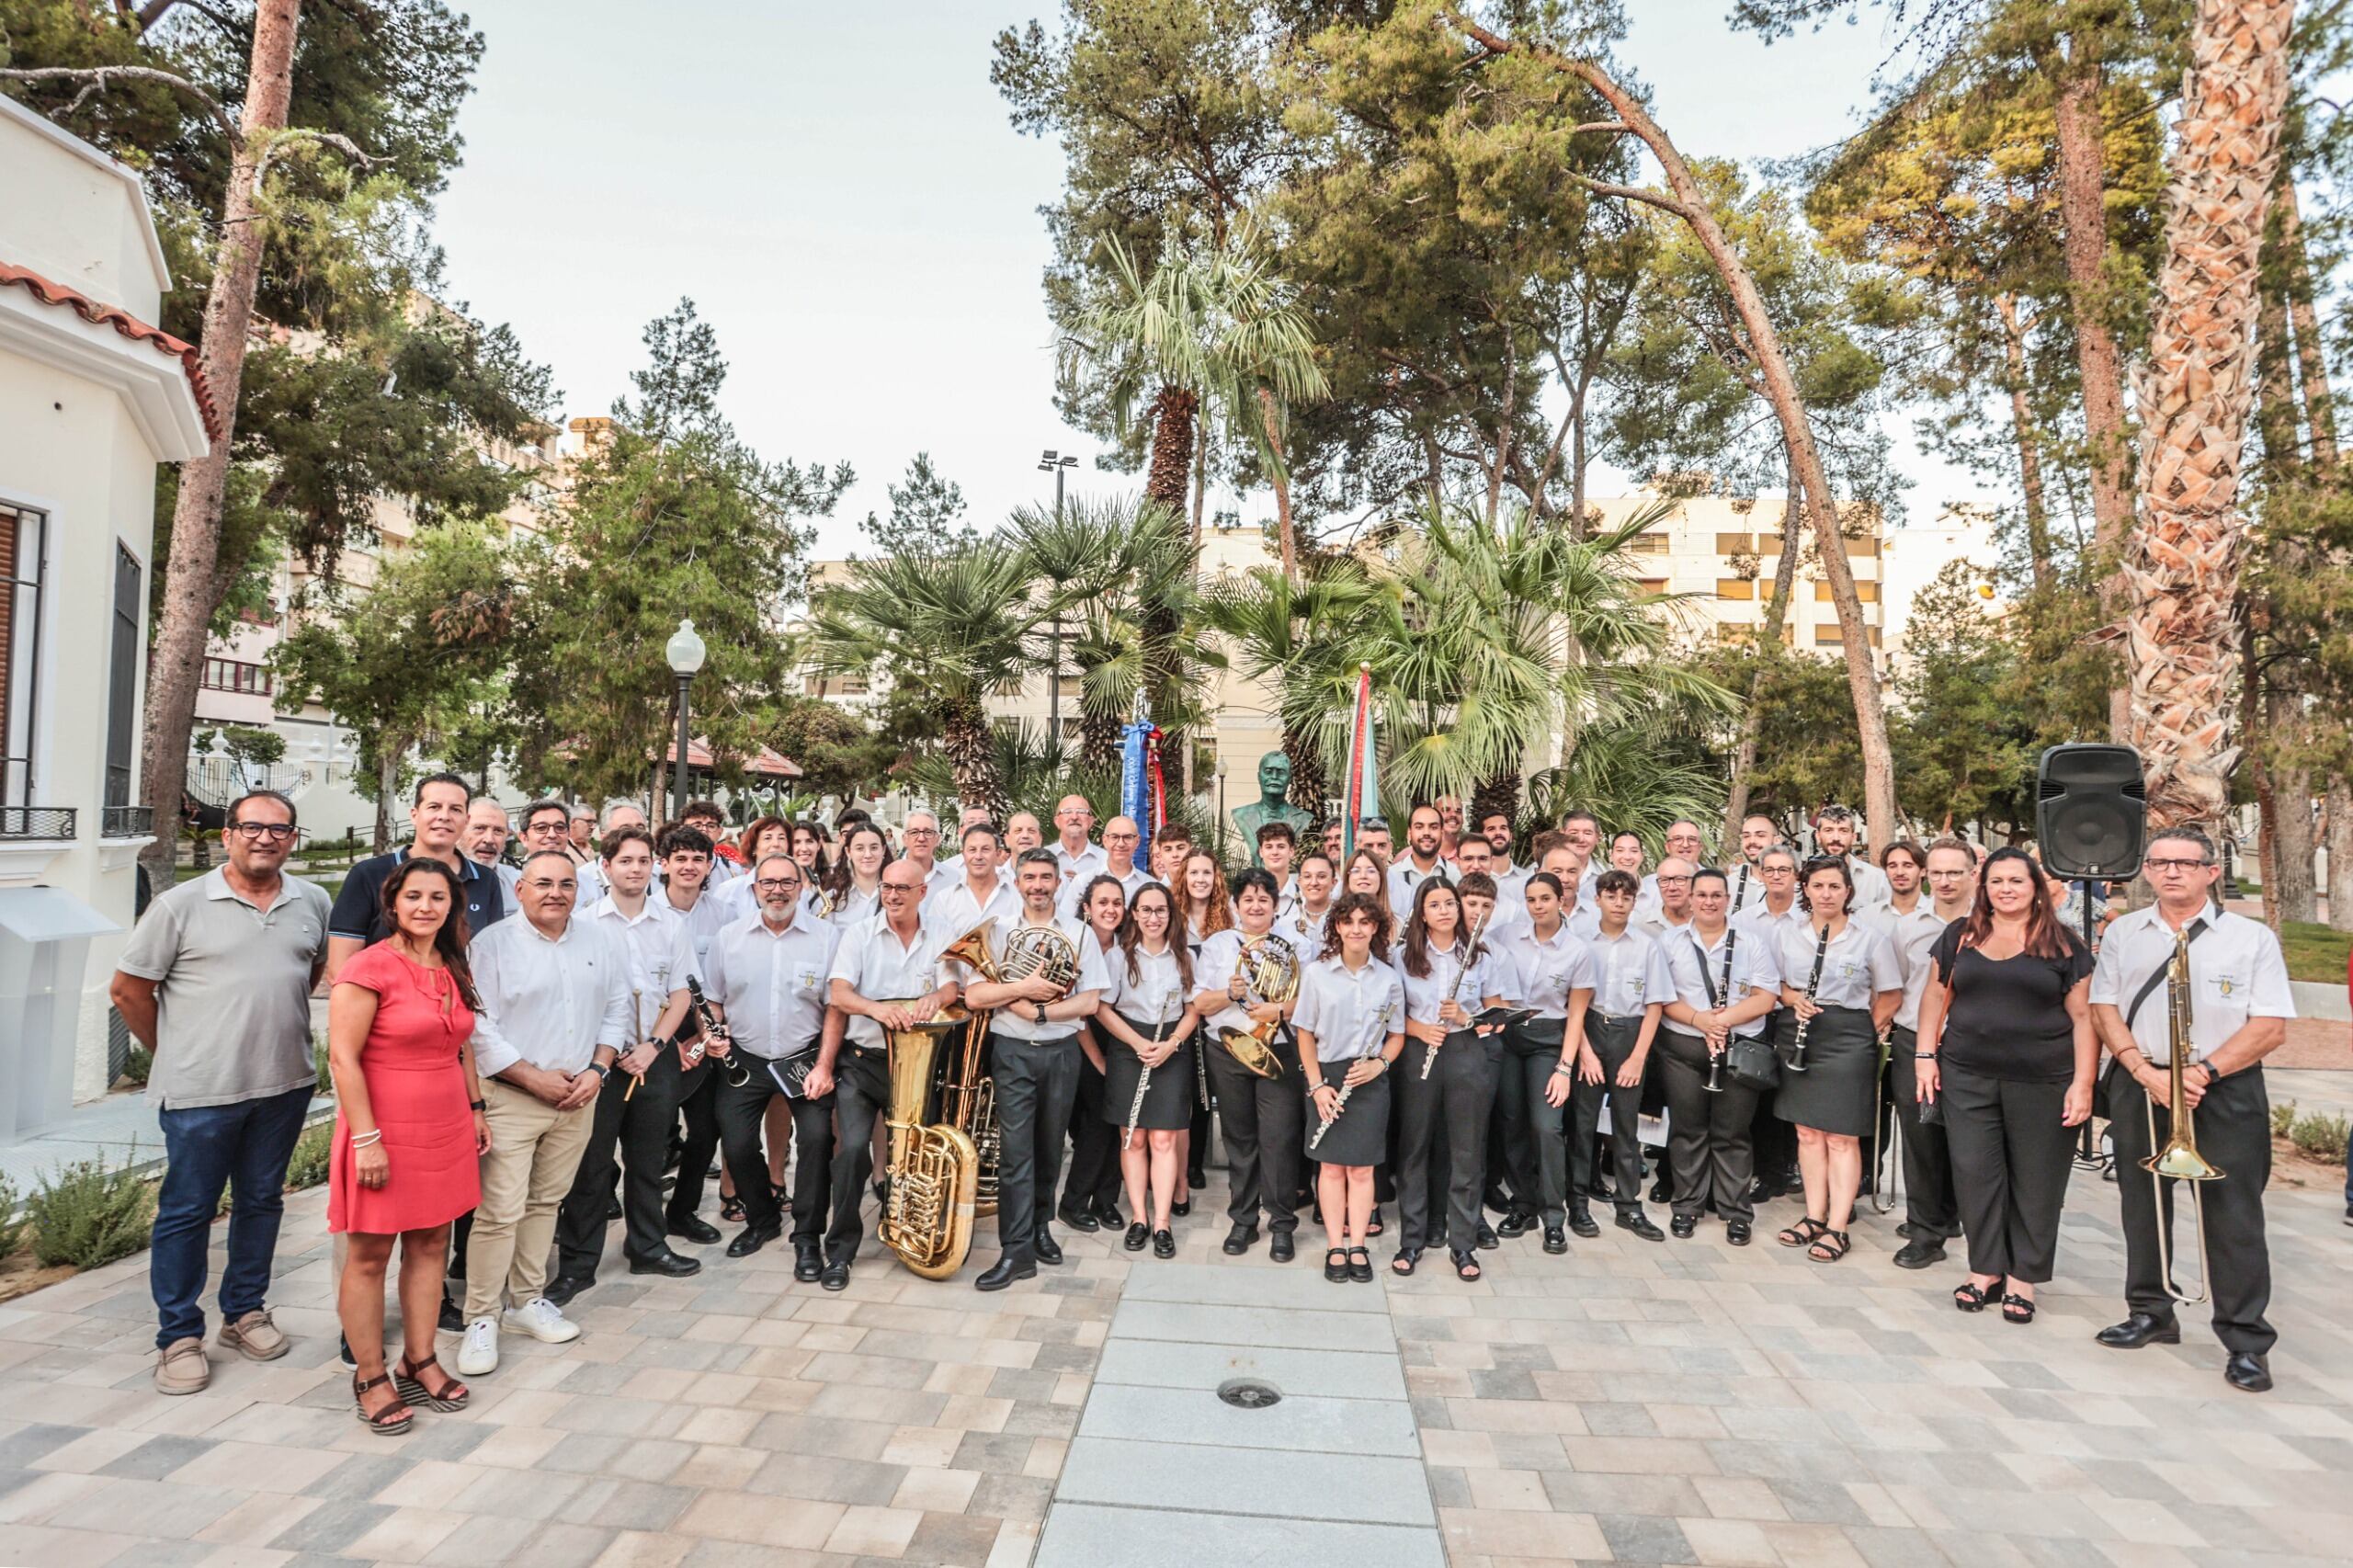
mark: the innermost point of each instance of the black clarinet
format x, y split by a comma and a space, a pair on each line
731, 1065
1717, 997
1797, 1047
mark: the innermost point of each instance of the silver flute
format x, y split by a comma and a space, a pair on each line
1324, 1123
1143, 1079
1470, 958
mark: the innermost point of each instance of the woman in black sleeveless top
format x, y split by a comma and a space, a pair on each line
2006, 1041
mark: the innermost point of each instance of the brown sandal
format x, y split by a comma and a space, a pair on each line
452, 1396
389, 1421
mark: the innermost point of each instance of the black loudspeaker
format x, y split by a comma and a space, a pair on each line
2091, 811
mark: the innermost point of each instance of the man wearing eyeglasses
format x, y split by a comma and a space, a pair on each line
437, 818
2239, 1006
886, 975
922, 836
1079, 858
1670, 910
216, 982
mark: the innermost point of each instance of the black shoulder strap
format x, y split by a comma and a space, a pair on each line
2149, 986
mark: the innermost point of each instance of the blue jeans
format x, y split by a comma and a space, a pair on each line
244, 1147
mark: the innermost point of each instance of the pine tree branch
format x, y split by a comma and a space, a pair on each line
101, 78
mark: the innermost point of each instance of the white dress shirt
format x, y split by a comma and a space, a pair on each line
1629, 973
1220, 955
1754, 967
1911, 935
1018, 1021
955, 909
1871, 891
1489, 976
1857, 965
1404, 876
1743, 888
880, 968
709, 915
1768, 927
2236, 972
661, 954
1156, 994
1351, 1013
772, 984
1547, 969
1079, 867
549, 1001
857, 905
1066, 903
1658, 927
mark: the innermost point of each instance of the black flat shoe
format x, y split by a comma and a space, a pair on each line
1078, 1219
1919, 1253
808, 1264
1494, 1198
564, 1287
1556, 1239
2139, 1329
1238, 1240
1196, 1180
1661, 1192
1376, 1225
1582, 1222
451, 1321
1163, 1244
694, 1228
2247, 1371
676, 1265
1683, 1225
1517, 1224
1335, 1264
1005, 1272
613, 1210
1282, 1248
835, 1278
1360, 1266
752, 1238
1181, 1207
1634, 1219
1405, 1262
1138, 1234
1049, 1250
1107, 1216
1737, 1232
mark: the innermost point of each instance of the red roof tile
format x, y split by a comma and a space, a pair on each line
123, 321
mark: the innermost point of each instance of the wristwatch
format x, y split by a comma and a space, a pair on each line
602, 1070
1041, 1010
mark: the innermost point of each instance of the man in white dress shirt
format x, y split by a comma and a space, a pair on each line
689, 859
1758, 833
886, 976
1079, 860
1495, 828
981, 892
1912, 922
1670, 890
954, 864
554, 1018
922, 849
1421, 860
1120, 840
1833, 834
2240, 1004
1034, 1059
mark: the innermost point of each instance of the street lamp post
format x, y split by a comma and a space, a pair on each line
1220, 768
685, 652
1058, 466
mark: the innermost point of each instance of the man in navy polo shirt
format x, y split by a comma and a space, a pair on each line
438, 817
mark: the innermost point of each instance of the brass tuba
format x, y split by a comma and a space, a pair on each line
935, 1169
2179, 1159
1269, 969
966, 1095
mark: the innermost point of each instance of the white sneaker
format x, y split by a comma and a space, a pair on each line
478, 1354
543, 1321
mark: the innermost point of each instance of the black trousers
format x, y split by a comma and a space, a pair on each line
636, 1128
1613, 1042
1774, 1140
1535, 1156
1441, 1156
1263, 1120
698, 1108
1037, 1083
2011, 1160
1707, 1134
1093, 1146
862, 1093
740, 1126
1929, 1203
2233, 1127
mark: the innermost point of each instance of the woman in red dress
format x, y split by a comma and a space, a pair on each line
405, 1159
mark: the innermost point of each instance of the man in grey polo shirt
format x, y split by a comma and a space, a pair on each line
217, 983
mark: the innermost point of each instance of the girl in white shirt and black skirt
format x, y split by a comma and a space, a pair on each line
1351, 1021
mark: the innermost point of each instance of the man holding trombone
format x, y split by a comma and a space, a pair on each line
2183, 972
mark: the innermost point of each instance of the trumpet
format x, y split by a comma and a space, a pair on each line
1470, 958
2179, 1159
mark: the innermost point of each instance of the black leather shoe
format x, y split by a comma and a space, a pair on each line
1049, 1250
1762, 1191
2248, 1371
678, 1266
2139, 1329
1494, 1198
1107, 1216
1005, 1272
1661, 1192
450, 1314
1163, 1244
1196, 1180
612, 1211
1077, 1220
1905, 1230
1683, 1224
808, 1263
752, 1238
1138, 1234
1555, 1240
1581, 1220
1239, 1239
1517, 1224
694, 1228
1919, 1252
1601, 1190
1487, 1239
564, 1287
1634, 1219
835, 1276
1181, 1207
1737, 1232
1282, 1248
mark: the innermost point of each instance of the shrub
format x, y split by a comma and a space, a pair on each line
13, 1225
85, 1215
308, 1168
323, 1074
2322, 1136
138, 1065
2283, 1120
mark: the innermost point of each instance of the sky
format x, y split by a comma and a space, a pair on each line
839, 191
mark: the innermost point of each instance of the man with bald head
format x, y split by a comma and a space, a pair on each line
1022, 835
1120, 841
1758, 833
1074, 820
1671, 884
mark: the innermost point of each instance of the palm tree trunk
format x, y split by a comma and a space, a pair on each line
2340, 852
972, 754
1098, 739
1500, 793
192, 582
1171, 473
1311, 788
1768, 647
2182, 564
2038, 513
2083, 216
1281, 482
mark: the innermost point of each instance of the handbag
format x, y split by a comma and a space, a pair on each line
1752, 1063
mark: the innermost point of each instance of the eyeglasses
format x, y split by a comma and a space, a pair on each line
923, 833
276, 831
2153, 864
777, 884
889, 888
1664, 882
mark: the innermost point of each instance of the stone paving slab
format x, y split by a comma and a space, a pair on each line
1083, 1536
1198, 1416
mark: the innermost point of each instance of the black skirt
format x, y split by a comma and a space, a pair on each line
1167, 1100
1835, 1092
1360, 1135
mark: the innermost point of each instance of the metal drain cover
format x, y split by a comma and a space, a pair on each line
1249, 1393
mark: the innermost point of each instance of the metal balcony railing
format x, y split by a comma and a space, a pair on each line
37, 822
127, 821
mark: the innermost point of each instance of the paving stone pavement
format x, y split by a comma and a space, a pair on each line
1681, 1402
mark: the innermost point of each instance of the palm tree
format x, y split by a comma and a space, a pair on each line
952, 627
1294, 634
2182, 559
